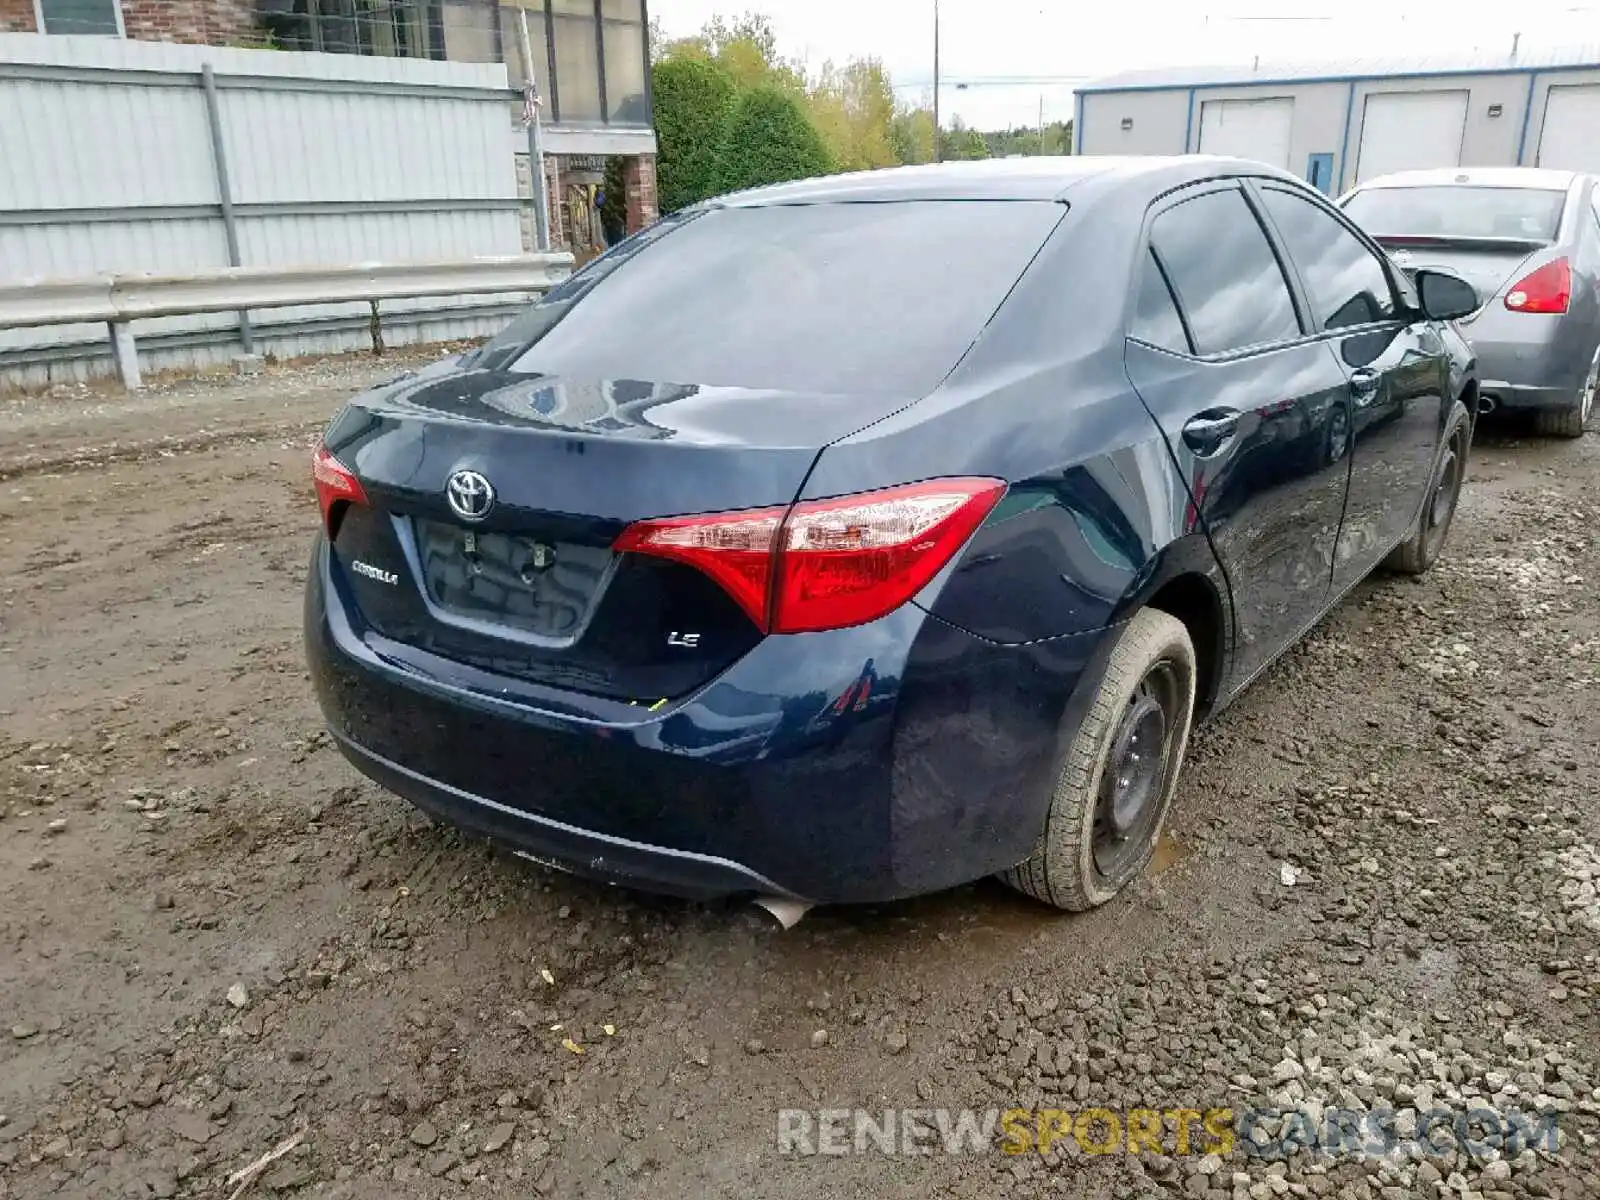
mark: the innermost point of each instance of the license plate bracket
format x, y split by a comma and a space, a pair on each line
518, 581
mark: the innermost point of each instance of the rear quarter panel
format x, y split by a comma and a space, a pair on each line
1096, 516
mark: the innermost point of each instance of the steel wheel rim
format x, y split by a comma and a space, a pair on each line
1586, 406
1134, 780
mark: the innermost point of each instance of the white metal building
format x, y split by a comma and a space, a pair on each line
115, 156
1336, 123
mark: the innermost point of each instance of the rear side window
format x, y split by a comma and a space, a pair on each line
1224, 272
1155, 318
1346, 282
835, 298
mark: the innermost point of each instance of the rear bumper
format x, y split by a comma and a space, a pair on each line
1528, 361
1511, 397
758, 783
568, 847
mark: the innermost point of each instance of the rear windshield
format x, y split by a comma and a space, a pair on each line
1458, 211
836, 298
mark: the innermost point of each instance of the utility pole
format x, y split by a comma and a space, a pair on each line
937, 155
1041, 122
530, 113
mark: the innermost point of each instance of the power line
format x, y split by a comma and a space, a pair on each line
993, 81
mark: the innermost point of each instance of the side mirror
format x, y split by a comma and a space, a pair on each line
1445, 297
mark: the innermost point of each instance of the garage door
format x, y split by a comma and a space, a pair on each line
1406, 131
1570, 136
1257, 129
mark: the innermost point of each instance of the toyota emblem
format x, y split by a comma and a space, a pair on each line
470, 495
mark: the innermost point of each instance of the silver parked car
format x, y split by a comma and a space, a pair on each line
1528, 239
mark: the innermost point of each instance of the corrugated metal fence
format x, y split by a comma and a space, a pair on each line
114, 158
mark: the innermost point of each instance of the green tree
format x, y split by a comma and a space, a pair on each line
911, 135
769, 140
961, 142
1056, 138
614, 207
854, 110
746, 47
693, 100
753, 28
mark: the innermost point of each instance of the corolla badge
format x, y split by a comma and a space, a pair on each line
470, 495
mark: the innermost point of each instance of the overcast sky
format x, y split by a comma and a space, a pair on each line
1047, 45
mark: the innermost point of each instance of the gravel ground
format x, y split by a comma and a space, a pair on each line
1379, 896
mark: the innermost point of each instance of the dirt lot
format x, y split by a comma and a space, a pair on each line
214, 935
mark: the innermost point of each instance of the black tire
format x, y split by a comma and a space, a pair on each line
1153, 661
1560, 424
1569, 422
1421, 550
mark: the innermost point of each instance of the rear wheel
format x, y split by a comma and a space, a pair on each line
1122, 765
1570, 422
1419, 552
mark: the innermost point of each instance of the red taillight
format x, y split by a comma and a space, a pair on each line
735, 549
334, 483
1546, 290
851, 560
826, 564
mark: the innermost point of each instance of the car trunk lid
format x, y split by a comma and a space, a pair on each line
1488, 264
515, 572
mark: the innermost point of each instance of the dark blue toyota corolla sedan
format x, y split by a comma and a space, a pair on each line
863, 536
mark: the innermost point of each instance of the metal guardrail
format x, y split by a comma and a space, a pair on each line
118, 300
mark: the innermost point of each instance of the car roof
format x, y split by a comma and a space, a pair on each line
1033, 178
1506, 177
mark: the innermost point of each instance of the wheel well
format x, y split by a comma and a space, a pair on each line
1469, 398
1192, 600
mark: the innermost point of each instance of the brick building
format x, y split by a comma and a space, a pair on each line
589, 58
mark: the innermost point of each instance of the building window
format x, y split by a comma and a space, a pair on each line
577, 42
590, 58
102, 17
471, 32
627, 101
512, 18
459, 30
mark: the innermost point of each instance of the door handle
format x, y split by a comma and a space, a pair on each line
1364, 384
1206, 433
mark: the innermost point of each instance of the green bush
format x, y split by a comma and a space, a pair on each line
768, 139
693, 98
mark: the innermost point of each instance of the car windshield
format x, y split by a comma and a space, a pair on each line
832, 298
1456, 211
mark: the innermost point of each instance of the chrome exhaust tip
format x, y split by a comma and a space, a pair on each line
1486, 405
784, 911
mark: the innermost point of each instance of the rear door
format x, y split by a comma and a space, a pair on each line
1396, 365
1255, 412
